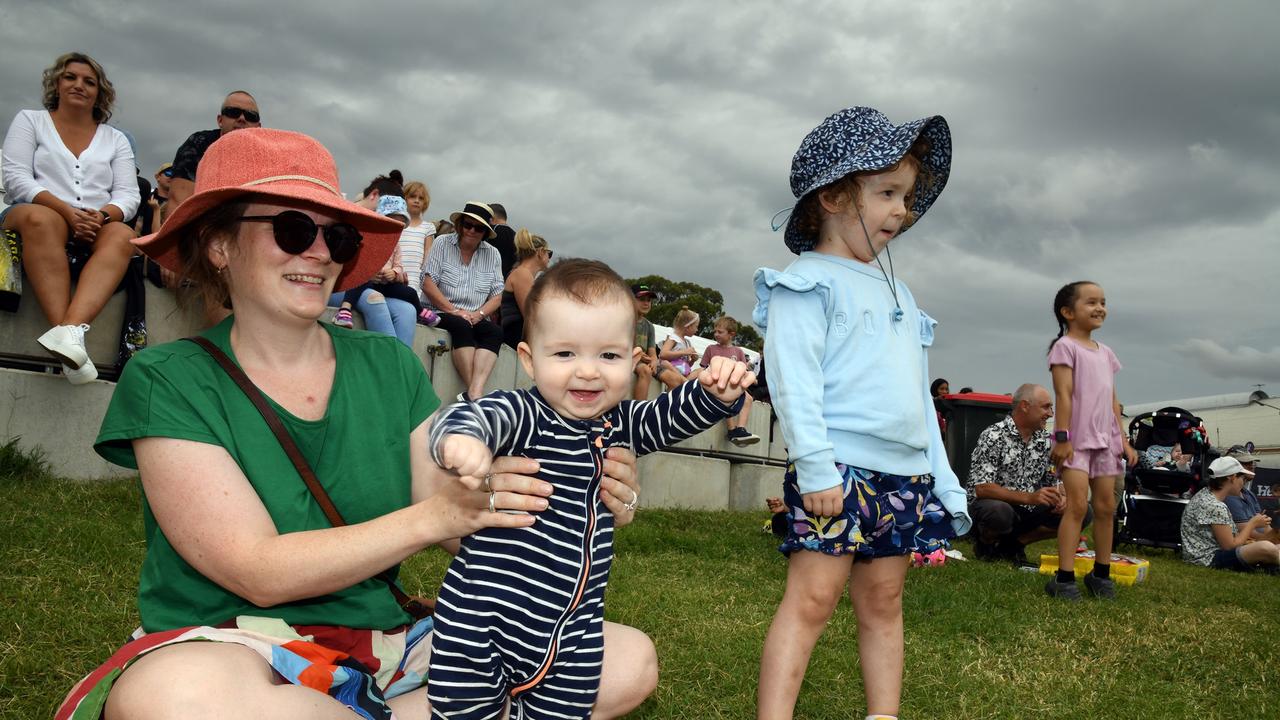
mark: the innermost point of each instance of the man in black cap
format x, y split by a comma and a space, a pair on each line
645, 352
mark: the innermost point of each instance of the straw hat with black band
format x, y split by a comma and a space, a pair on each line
271, 165
479, 212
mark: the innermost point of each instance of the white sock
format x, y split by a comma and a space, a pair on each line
882, 717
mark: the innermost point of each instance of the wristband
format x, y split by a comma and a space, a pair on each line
106, 216
1061, 436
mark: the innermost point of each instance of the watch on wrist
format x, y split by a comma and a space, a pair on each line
1061, 436
106, 216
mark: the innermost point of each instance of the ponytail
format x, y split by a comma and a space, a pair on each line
528, 244
685, 317
1065, 298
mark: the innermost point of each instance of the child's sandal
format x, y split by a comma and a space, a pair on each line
342, 318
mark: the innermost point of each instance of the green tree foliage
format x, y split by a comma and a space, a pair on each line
748, 337
672, 295
707, 302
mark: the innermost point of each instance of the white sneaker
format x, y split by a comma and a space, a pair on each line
66, 342
81, 375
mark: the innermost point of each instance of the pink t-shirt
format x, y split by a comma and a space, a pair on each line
1093, 418
733, 352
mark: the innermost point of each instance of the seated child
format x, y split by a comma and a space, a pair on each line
1164, 457
520, 612
726, 328
676, 351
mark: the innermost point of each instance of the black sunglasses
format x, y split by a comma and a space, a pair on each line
234, 113
167, 172
295, 232
473, 226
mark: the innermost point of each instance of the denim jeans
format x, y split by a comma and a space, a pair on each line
387, 316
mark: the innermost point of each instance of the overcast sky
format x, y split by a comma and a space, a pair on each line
1134, 143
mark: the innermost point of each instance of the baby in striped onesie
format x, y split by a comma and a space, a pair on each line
520, 613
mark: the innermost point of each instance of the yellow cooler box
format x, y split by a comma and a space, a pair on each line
1125, 569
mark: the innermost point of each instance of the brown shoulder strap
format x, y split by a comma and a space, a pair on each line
411, 605
277, 428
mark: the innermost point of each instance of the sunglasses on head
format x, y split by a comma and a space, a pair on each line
167, 172
472, 226
234, 113
295, 231
550, 254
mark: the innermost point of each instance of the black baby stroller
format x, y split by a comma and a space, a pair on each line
1157, 490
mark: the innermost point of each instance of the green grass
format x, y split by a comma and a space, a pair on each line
982, 640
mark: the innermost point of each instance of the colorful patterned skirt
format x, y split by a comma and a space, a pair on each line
359, 668
884, 516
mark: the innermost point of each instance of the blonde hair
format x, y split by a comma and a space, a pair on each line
417, 187
684, 318
528, 244
106, 91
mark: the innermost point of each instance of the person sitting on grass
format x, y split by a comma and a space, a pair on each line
1210, 538
726, 328
1244, 506
520, 610
253, 603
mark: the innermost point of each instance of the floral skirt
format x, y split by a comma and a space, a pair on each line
884, 516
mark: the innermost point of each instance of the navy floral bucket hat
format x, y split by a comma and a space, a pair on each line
861, 139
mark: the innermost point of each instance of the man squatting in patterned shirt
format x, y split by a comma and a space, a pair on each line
520, 611
1013, 498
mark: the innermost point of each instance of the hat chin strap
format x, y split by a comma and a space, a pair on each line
889, 277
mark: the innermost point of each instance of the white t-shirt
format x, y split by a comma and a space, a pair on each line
413, 243
36, 160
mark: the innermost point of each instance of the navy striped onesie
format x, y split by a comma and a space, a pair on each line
520, 612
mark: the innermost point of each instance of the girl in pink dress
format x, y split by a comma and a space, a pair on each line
1090, 446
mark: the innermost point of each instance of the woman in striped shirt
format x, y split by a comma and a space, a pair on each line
463, 283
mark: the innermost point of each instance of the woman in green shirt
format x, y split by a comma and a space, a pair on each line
239, 554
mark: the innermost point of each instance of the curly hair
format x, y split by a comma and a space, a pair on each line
848, 189
106, 91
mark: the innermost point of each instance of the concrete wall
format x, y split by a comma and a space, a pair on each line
46, 412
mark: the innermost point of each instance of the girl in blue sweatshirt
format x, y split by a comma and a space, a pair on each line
868, 480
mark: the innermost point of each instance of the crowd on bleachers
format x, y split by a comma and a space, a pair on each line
77, 197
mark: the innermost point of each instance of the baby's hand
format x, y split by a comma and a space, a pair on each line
468, 457
726, 378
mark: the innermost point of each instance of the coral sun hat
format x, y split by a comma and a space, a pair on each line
275, 165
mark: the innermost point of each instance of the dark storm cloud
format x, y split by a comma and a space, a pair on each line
1130, 143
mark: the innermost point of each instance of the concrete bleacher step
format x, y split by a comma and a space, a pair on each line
46, 412
165, 322
697, 482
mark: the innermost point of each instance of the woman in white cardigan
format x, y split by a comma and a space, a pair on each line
71, 177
